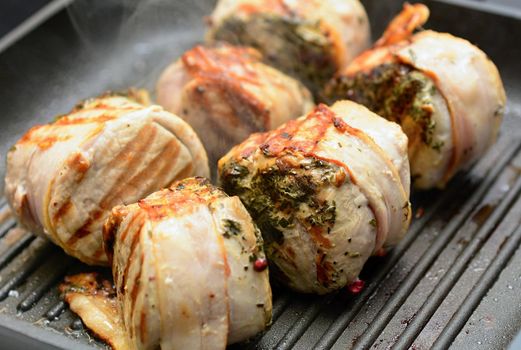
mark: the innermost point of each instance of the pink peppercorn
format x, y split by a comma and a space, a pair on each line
260, 264
356, 287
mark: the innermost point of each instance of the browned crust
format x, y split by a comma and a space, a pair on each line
98, 290
180, 196
398, 34
315, 125
215, 63
63, 210
323, 268
227, 68
404, 24
38, 134
33, 136
79, 163
317, 234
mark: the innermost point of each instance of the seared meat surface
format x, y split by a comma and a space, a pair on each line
327, 190
64, 178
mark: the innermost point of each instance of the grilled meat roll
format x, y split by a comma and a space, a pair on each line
225, 93
309, 39
444, 91
202, 259
327, 191
64, 178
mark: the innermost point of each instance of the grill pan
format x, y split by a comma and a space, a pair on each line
454, 281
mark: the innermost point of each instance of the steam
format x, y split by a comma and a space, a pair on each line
130, 18
143, 35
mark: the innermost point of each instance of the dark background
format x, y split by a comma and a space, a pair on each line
13, 12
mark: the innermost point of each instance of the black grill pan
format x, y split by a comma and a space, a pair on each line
454, 281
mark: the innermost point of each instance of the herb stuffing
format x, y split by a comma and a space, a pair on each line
398, 93
231, 228
280, 196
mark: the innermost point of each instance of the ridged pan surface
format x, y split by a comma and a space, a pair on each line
454, 281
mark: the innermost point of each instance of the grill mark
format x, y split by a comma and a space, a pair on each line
216, 64
291, 253
84, 230
168, 155
123, 235
147, 134
143, 326
317, 236
44, 141
67, 204
226, 68
81, 165
68, 120
323, 267
182, 195
110, 230
248, 108
63, 210
135, 289
160, 175
28, 136
245, 108
277, 141
316, 124
169, 152
100, 103
251, 144
133, 245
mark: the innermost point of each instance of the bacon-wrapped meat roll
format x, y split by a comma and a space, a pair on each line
189, 269
445, 92
309, 39
64, 178
327, 190
226, 93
